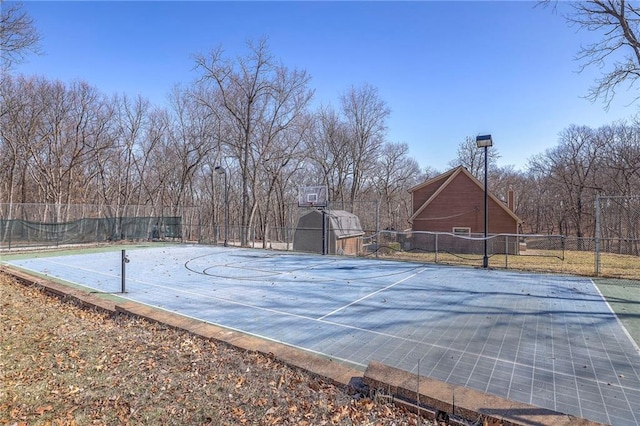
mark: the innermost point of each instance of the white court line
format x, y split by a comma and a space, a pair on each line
633, 342
66, 265
321, 319
332, 323
239, 330
371, 294
341, 325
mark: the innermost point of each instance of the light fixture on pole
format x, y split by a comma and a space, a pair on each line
485, 141
222, 171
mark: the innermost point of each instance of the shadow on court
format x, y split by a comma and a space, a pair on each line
546, 340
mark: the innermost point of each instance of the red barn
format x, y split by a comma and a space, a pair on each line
454, 202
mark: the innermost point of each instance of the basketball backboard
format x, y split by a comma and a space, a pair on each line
313, 196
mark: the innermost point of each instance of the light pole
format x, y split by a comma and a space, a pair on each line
222, 171
485, 141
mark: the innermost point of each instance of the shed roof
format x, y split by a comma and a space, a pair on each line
342, 223
345, 224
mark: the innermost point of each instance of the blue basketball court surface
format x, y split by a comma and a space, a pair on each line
546, 340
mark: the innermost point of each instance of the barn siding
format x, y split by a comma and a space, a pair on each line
308, 234
460, 204
420, 196
349, 246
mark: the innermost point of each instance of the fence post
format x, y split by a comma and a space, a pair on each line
436, 248
597, 254
10, 231
378, 225
506, 252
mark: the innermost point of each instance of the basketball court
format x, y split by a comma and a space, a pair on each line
546, 340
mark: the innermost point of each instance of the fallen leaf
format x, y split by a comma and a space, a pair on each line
240, 382
43, 409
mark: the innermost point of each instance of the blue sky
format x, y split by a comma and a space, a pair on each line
447, 70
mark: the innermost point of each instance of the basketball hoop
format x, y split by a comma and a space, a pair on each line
312, 196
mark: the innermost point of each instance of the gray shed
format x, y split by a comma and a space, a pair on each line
343, 232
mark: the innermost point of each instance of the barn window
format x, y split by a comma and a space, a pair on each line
461, 230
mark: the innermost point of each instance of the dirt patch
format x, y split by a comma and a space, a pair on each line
64, 364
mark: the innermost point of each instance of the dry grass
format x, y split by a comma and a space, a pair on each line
574, 262
64, 365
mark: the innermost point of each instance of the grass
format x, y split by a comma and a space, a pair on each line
62, 364
567, 262
624, 298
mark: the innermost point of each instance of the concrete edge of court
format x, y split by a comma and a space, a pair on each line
429, 397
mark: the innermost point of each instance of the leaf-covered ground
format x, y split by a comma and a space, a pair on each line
64, 365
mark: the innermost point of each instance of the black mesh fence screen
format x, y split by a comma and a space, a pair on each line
17, 233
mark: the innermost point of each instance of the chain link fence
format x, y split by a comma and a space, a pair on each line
30, 226
542, 253
45, 225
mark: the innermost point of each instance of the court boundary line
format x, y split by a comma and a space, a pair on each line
80, 268
323, 320
633, 344
248, 333
375, 378
379, 333
620, 323
371, 294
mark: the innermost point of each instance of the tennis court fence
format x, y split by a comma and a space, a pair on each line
40, 226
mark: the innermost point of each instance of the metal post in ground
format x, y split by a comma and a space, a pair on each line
597, 258
506, 252
125, 260
485, 258
378, 226
324, 232
485, 141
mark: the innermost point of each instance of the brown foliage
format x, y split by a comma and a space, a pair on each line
65, 365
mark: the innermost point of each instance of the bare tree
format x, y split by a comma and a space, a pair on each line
328, 146
619, 47
472, 157
21, 113
119, 167
503, 179
540, 202
396, 173
261, 100
60, 132
621, 159
240, 89
151, 165
427, 173
558, 190
572, 169
366, 116
192, 139
18, 36
620, 178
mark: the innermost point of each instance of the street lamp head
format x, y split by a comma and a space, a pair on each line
483, 141
219, 169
